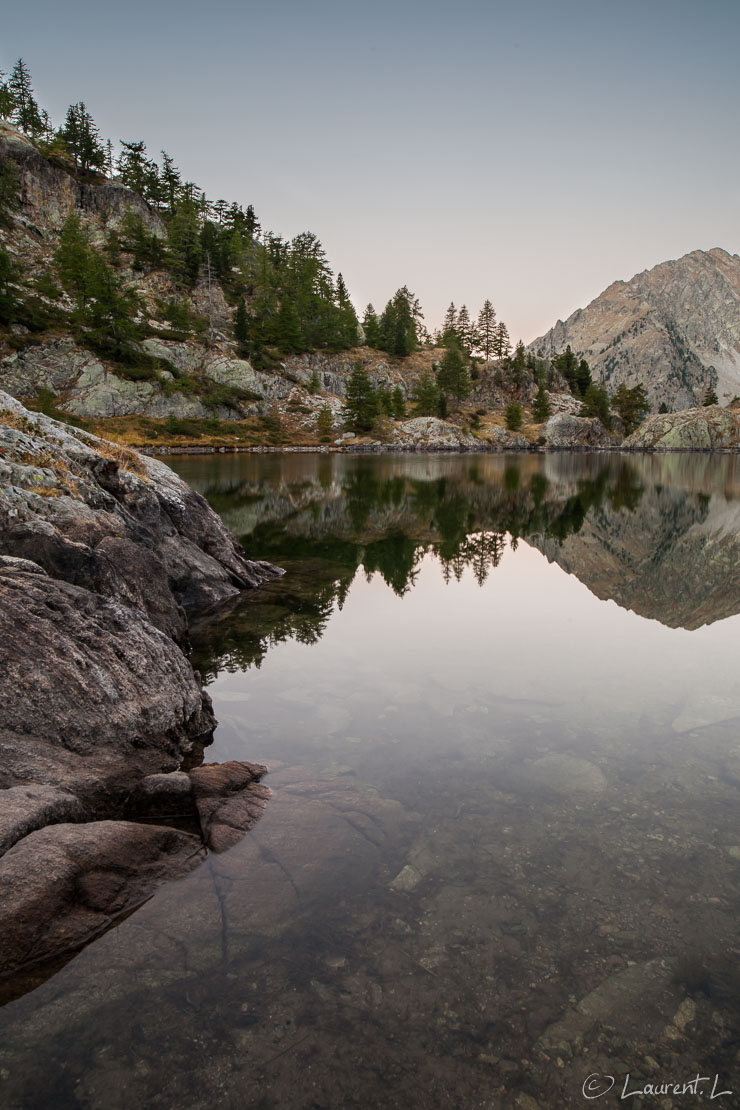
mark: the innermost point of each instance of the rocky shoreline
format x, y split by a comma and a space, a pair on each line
103, 555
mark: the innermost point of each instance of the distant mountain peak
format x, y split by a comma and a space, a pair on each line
675, 327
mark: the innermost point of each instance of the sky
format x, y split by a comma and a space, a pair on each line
526, 151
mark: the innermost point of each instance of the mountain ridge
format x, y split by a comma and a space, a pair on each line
675, 327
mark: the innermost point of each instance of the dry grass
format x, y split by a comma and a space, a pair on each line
21, 423
124, 457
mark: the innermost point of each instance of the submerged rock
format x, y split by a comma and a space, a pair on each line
61, 884
229, 798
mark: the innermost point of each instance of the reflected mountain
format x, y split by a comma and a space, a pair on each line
659, 535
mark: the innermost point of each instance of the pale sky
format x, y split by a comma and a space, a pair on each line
529, 151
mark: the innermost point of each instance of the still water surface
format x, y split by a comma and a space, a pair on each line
500, 701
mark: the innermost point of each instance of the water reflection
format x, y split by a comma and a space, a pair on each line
658, 535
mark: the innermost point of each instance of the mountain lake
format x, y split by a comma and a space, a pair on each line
499, 701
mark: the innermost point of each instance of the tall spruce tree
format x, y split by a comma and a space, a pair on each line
453, 378
371, 328
631, 405
82, 138
541, 407
399, 323
486, 331
25, 111
425, 396
450, 321
6, 98
503, 343
361, 402
596, 404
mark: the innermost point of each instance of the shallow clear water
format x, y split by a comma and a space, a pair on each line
500, 702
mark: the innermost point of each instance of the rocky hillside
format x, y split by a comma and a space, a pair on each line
675, 327
184, 364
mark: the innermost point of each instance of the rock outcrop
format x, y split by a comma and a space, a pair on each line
95, 514
429, 433
102, 554
566, 431
701, 429
675, 327
49, 194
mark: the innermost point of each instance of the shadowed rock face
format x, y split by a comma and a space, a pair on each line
81, 670
105, 518
102, 553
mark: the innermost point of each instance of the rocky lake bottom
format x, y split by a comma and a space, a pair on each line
500, 867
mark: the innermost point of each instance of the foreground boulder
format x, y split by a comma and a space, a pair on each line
102, 555
84, 672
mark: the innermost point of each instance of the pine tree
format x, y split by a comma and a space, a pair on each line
314, 385
146, 247
425, 396
8, 299
631, 405
583, 377
399, 323
184, 244
74, 262
710, 397
503, 343
134, 166
371, 328
252, 223
9, 188
465, 330
486, 331
399, 404
453, 377
82, 138
541, 408
324, 423
169, 176
596, 404
519, 365
241, 328
25, 109
361, 403
575, 373
6, 98
450, 321
514, 416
